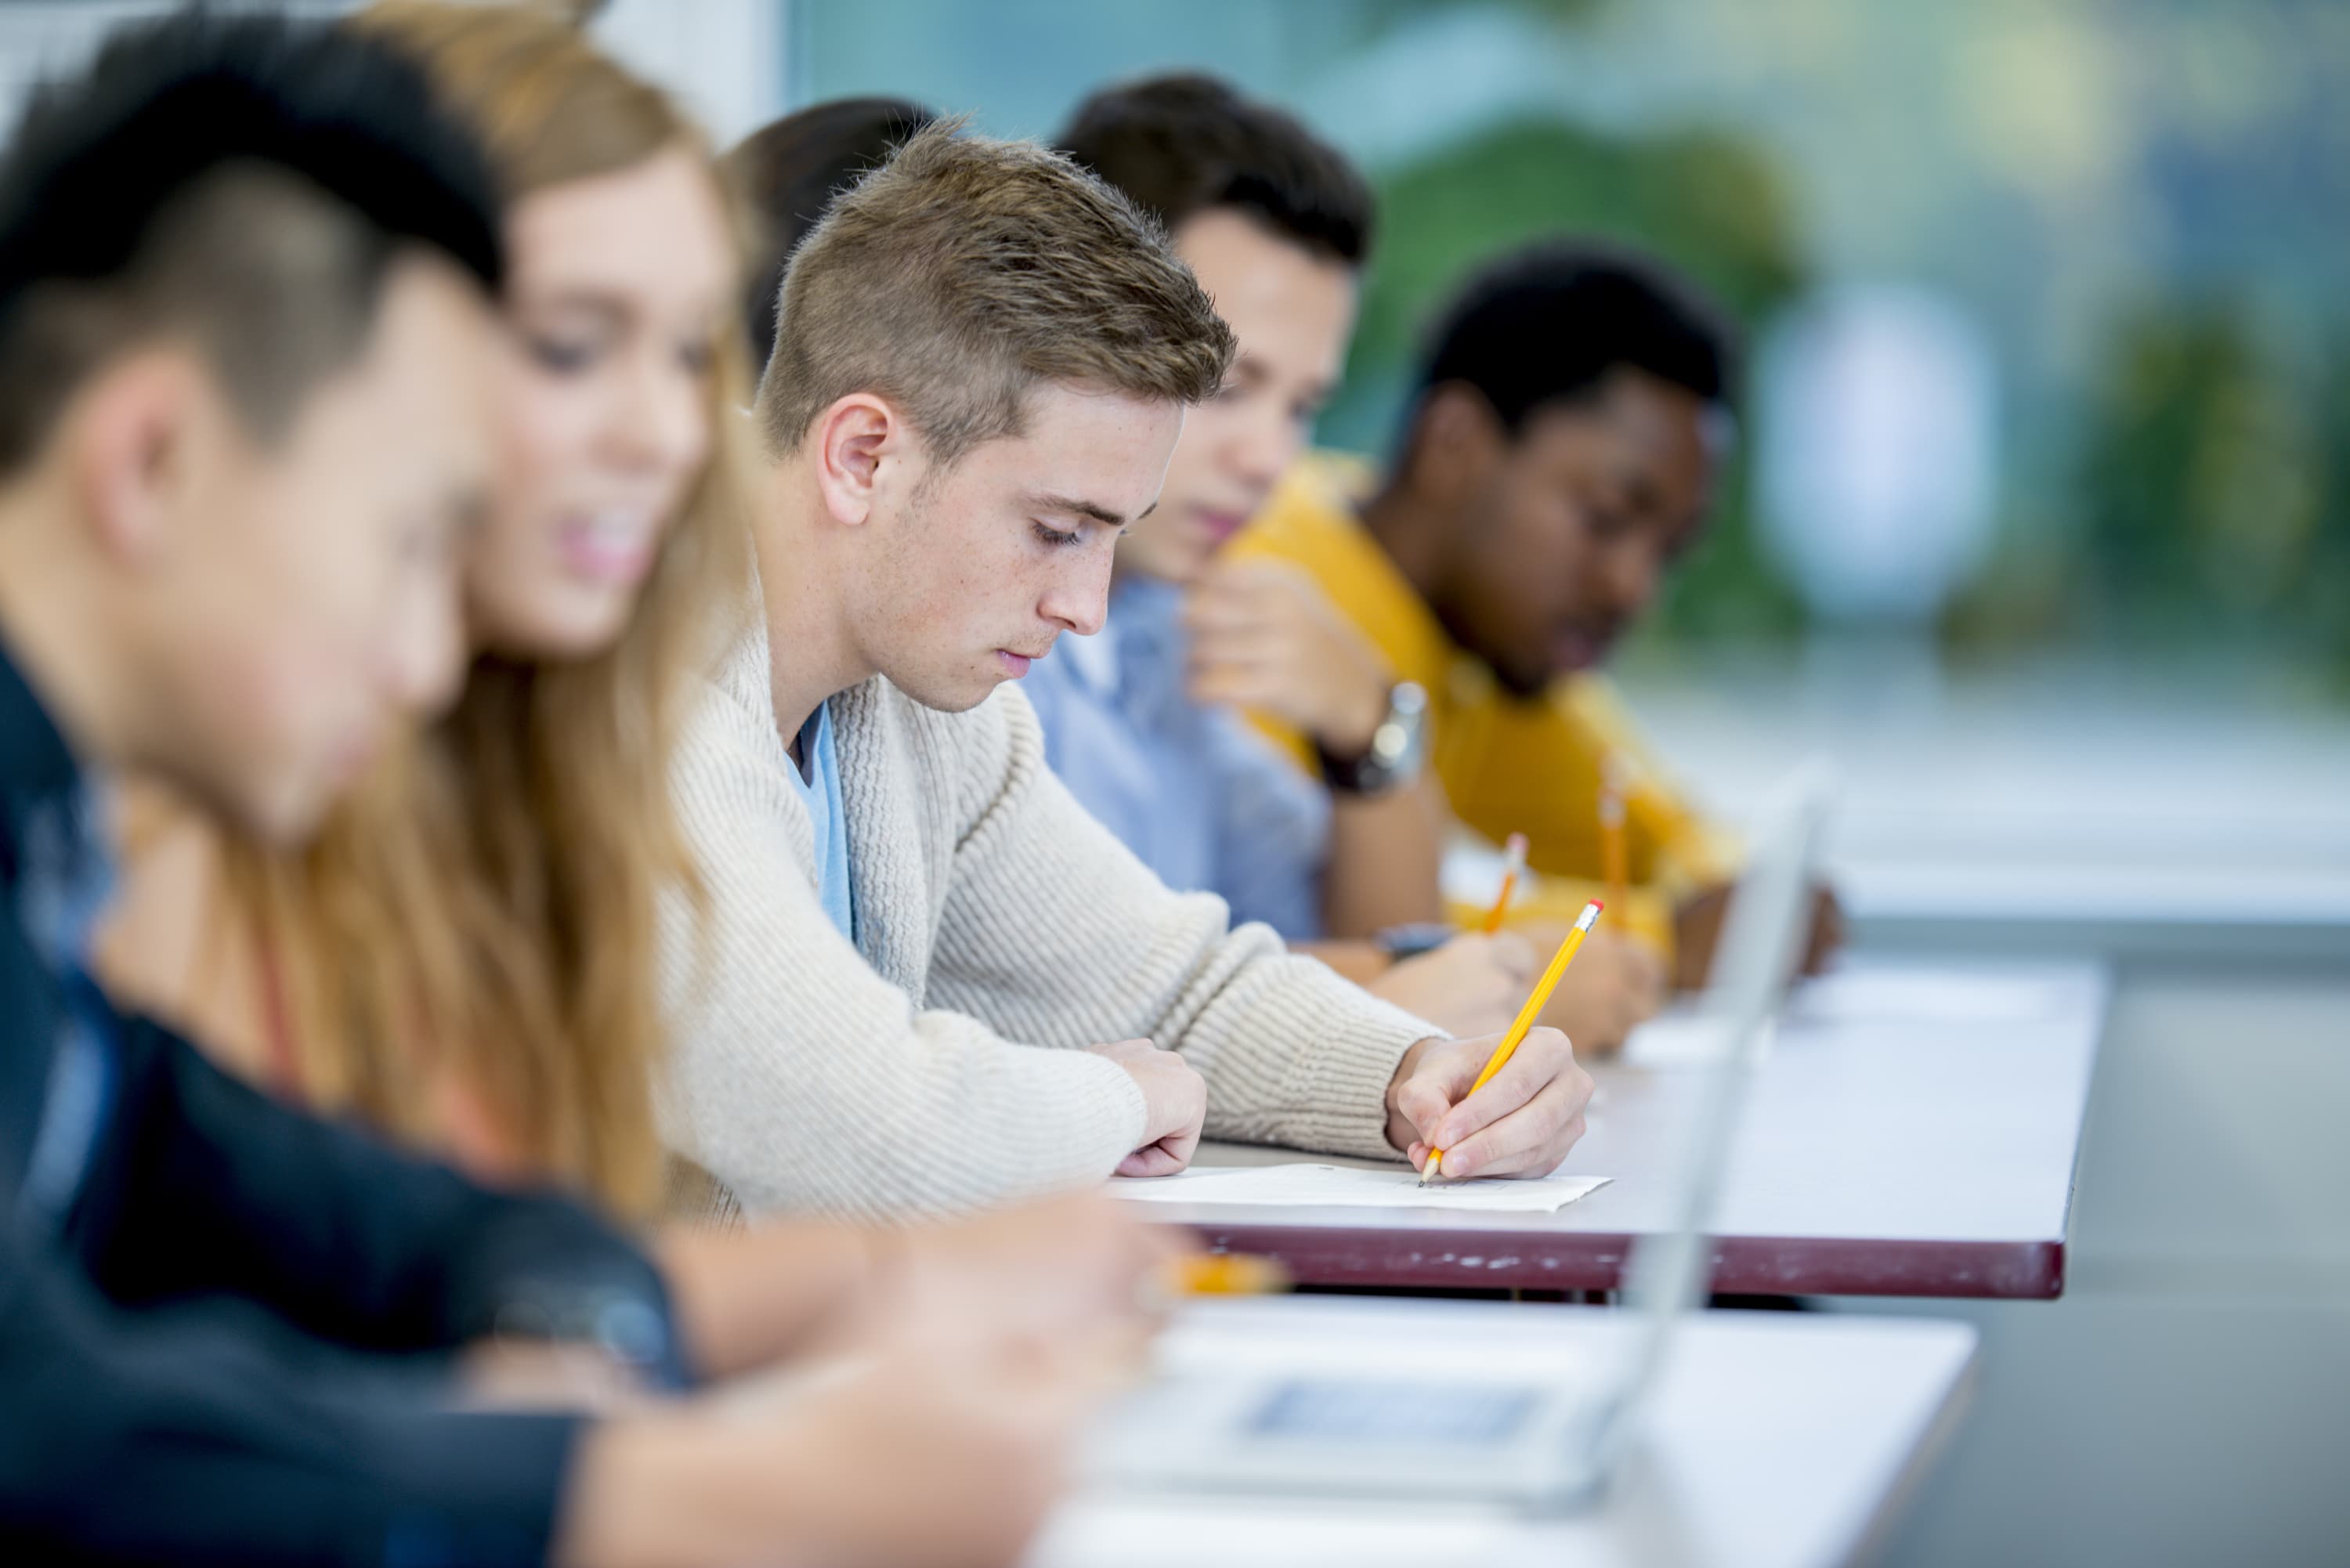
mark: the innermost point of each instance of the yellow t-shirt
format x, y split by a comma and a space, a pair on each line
1507, 764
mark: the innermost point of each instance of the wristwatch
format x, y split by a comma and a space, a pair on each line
1398, 746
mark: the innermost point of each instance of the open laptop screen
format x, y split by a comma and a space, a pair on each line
1330, 1410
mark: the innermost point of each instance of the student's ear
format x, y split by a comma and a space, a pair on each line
1455, 440
853, 442
132, 436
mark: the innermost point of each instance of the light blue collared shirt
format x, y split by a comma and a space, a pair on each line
819, 788
1199, 797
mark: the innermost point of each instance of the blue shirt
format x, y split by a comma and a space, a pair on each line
817, 778
1198, 797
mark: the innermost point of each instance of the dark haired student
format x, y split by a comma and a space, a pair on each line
1574, 406
245, 342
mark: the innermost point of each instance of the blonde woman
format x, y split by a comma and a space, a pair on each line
466, 957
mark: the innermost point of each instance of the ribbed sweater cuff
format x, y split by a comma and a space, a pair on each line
1104, 1105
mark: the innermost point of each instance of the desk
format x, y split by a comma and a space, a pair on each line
1876, 1157
1774, 1442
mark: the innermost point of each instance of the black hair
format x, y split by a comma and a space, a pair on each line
785, 175
111, 207
1179, 145
1548, 323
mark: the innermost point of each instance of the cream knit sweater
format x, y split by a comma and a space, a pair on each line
937, 1065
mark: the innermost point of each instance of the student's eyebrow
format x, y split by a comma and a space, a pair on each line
1071, 506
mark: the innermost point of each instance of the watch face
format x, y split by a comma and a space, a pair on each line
1397, 742
1394, 755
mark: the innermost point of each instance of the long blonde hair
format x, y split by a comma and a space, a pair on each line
486, 908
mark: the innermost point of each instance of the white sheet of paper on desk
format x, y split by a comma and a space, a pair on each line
1340, 1186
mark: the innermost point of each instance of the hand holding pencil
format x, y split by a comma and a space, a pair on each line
1508, 1104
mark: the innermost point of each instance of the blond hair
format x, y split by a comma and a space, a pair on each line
485, 909
962, 272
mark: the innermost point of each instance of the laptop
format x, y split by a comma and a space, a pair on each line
1533, 1427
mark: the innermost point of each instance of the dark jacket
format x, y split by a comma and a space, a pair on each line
224, 1325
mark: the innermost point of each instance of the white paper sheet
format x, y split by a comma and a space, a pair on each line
1339, 1186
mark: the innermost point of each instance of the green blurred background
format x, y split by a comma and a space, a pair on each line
2141, 207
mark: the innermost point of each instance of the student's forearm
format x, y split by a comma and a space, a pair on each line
745, 1300
1386, 861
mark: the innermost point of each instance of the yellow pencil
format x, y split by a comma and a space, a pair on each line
1526, 1019
1221, 1274
1514, 864
1615, 858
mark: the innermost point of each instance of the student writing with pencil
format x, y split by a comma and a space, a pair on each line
922, 944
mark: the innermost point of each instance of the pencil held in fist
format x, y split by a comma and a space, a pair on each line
1433, 1168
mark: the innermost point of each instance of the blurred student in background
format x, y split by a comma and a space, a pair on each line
1574, 406
1142, 720
785, 174
923, 946
237, 582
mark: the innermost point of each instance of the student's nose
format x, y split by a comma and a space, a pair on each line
1077, 598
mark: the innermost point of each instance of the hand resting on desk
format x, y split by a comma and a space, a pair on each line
1614, 985
1174, 1107
1473, 985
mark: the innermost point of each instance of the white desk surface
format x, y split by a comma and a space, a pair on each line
1775, 1441
1928, 1154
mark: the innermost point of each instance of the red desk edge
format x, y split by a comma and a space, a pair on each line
1578, 1260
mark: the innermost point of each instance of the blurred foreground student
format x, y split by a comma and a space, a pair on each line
1572, 408
1141, 719
240, 416
936, 981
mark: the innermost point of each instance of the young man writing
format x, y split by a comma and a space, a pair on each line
1574, 406
1142, 721
936, 980
245, 338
